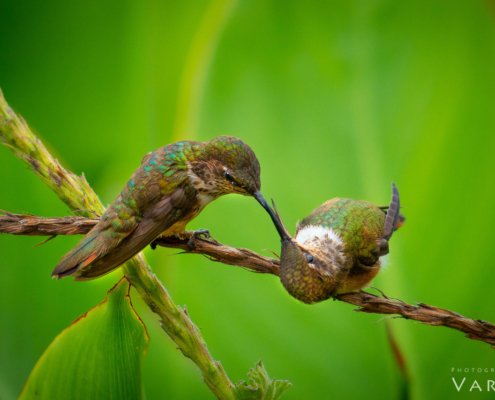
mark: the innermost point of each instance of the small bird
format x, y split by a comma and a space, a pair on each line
337, 248
170, 188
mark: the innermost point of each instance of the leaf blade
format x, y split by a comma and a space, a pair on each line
98, 356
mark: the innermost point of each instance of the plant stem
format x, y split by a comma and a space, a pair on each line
75, 191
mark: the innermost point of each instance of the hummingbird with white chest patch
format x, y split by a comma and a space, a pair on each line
170, 188
337, 248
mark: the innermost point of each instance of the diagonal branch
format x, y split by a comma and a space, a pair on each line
31, 225
20, 224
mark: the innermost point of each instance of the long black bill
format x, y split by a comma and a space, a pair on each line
284, 235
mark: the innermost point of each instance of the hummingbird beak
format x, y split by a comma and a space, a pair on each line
259, 197
284, 235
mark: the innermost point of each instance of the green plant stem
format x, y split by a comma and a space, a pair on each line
178, 326
75, 191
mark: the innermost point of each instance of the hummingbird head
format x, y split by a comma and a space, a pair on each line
293, 253
228, 165
309, 271
235, 166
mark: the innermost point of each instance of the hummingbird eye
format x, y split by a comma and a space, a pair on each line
309, 258
229, 177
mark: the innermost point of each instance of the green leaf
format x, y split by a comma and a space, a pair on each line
260, 386
97, 357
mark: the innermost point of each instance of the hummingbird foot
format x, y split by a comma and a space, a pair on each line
197, 234
190, 236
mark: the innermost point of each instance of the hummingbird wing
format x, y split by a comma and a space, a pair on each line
105, 248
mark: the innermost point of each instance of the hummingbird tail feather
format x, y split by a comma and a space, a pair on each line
393, 219
105, 248
81, 256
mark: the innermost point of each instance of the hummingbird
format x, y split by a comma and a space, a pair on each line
171, 186
337, 248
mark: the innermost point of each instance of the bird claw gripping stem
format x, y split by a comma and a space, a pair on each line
197, 234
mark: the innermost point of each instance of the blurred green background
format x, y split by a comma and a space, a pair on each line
337, 99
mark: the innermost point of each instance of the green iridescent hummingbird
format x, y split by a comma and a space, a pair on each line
337, 248
170, 188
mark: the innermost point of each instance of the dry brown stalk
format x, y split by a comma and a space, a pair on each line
21, 224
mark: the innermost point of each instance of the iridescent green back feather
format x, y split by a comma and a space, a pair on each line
158, 196
357, 222
160, 174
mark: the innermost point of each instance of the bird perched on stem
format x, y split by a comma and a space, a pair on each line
170, 188
337, 248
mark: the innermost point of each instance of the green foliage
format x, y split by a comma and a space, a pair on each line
97, 357
337, 99
260, 386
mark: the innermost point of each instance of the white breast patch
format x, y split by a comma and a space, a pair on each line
311, 232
